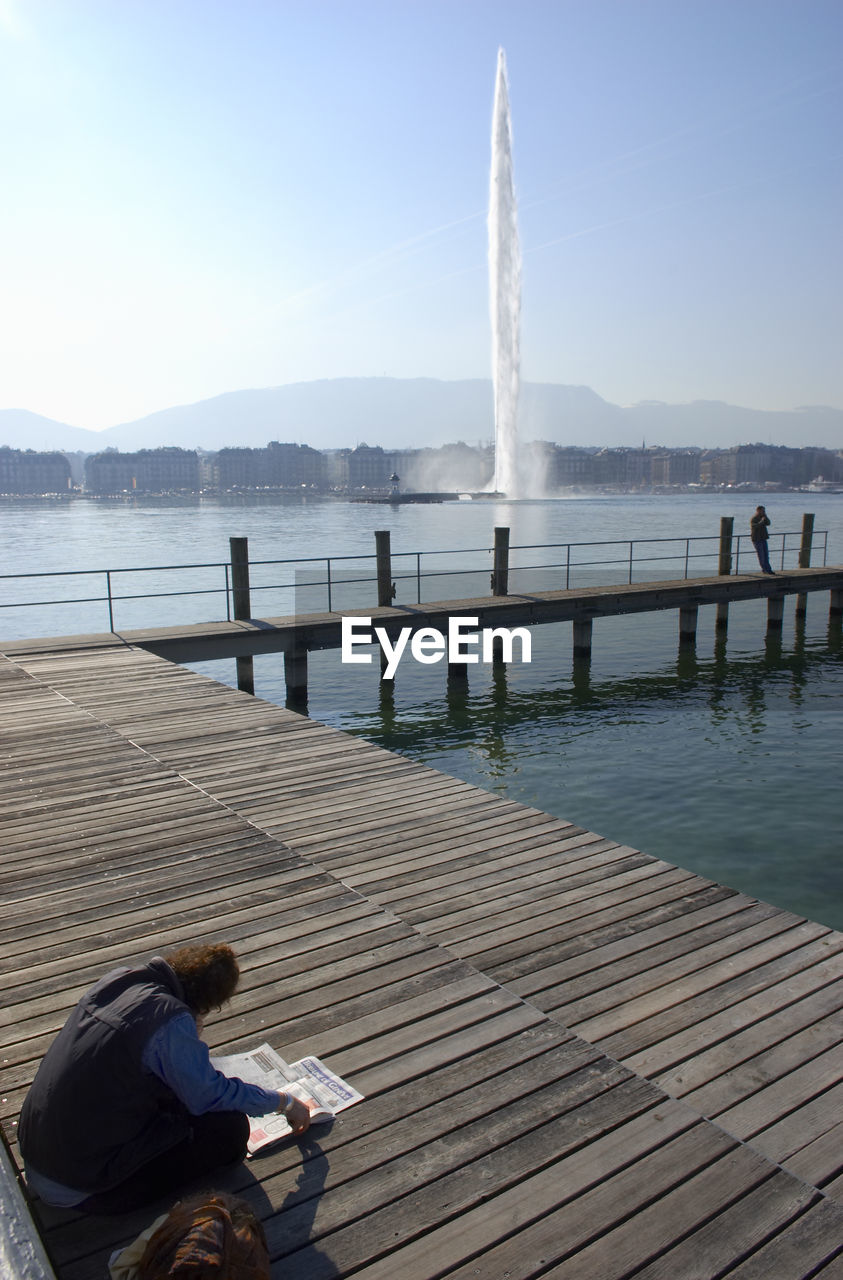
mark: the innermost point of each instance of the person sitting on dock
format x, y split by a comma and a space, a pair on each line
126, 1105
758, 526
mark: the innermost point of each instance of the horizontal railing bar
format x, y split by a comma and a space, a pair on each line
160, 595
32, 604
142, 568
609, 542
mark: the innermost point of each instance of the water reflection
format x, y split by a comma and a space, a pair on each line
491, 703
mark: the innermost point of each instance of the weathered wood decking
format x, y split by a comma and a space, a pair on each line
578, 1061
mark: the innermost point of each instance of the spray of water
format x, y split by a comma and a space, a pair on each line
504, 290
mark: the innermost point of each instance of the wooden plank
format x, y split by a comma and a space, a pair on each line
571, 1199
755, 1041
738, 1231
813, 1240
692, 1000
820, 1161
818, 1043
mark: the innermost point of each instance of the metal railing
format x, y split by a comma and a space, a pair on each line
540, 566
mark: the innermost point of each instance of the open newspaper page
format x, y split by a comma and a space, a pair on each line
307, 1079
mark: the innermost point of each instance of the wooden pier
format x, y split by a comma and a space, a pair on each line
577, 1060
298, 635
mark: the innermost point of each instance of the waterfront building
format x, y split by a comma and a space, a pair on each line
675, 466
25, 471
277, 466
147, 471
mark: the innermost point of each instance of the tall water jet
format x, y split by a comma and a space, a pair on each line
504, 290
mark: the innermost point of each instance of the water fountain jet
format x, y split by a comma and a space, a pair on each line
504, 290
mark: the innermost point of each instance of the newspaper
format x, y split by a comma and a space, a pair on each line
308, 1079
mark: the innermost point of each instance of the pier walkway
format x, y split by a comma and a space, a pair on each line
301, 633
578, 1061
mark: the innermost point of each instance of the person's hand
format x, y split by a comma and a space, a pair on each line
297, 1114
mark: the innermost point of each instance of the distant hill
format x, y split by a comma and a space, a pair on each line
412, 412
21, 429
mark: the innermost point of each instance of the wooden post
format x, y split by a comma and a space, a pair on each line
727, 525
240, 577
805, 560
245, 673
458, 673
295, 674
386, 587
688, 623
835, 604
500, 569
242, 607
582, 638
724, 567
775, 612
807, 539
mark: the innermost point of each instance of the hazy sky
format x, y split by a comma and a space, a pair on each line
198, 196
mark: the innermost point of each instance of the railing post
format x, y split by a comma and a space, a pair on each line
724, 564
330, 610
110, 600
386, 587
418, 577
242, 607
724, 567
630, 561
500, 568
805, 560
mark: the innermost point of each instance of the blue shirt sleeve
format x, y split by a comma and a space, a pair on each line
178, 1057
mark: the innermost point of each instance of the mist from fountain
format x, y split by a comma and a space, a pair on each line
504, 291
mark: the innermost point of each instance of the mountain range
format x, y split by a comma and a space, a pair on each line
400, 413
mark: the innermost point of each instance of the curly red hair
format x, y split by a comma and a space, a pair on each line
208, 972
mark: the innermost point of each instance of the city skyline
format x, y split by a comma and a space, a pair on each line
209, 198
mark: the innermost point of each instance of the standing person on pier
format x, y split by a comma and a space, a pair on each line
758, 526
126, 1105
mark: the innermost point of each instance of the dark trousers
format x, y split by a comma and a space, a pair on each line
215, 1139
763, 554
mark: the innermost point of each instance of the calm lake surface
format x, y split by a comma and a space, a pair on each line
725, 760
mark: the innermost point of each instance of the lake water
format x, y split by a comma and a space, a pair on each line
725, 759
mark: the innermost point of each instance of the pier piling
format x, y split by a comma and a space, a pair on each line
295, 675
582, 638
775, 613
805, 559
688, 623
